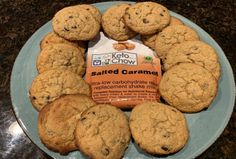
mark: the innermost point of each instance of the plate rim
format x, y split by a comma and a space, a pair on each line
205, 146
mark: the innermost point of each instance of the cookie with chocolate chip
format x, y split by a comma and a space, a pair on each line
61, 56
188, 87
57, 121
113, 23
171, 36
149, 40
53, 38
158, 129
103, 132
75, 23
50, 85
93, 10
147, 18
196, 52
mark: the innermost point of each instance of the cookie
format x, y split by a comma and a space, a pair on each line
61, 56
147, 17
171, 36
93, 11
188, 87
74, 23
175, 21
196, 52
113, 23
149, 40
53, 38
57, 122
103, 132
50, 85
158, 128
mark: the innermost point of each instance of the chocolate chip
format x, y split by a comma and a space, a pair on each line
70, 16
87, 9
94, 113
105, 151
48, 97
129, 16
161, 14
68, 64
145, 21
173, 110
164, 10
165, 148
82, 119
34, 97
166, 135
163, 36
66, 29
136, 13
74, 27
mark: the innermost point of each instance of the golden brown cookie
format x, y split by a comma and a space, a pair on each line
57, 121
188, 87
74, 23
50, 85
175, 21
103, 132
158, 128
171, 36
196, 52
113, 23
147, 17
93, 10
61, 56
149, 40
53, 38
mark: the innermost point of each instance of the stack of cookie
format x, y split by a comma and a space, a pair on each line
76, 122
70, 120
61, 61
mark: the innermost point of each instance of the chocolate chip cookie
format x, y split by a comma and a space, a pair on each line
196, 52
188, 87
50, 85
158, 128
171, 36
75, 23
57, 121
61, 56
103, 132
147, 17
113, 23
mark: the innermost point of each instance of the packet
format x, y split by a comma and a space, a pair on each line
123, 74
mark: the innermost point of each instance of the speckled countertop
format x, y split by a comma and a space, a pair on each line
19, 19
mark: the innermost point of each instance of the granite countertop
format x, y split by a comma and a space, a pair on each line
19, 19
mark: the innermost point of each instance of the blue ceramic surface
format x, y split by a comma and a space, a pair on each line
205, 127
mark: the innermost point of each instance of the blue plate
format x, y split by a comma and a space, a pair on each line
205, 127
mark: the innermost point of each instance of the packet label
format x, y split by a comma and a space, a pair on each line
123, 74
